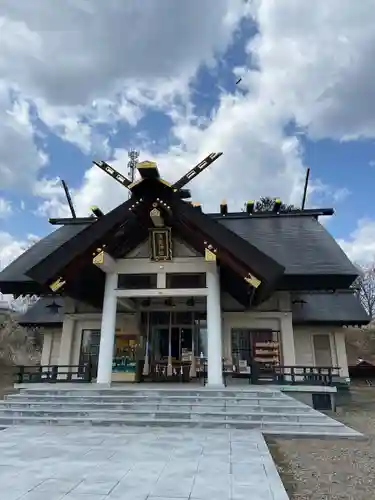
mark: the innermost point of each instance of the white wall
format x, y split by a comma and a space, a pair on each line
51, 346
304, 346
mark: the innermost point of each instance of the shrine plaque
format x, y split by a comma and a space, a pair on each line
161, 244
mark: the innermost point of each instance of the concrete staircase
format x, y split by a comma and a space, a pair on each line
267, 410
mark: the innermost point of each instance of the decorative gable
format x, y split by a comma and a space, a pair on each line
179, 249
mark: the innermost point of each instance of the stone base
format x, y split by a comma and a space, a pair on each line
215, 387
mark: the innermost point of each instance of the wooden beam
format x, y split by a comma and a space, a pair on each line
80, 248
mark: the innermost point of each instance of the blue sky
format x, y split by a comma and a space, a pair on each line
174, 98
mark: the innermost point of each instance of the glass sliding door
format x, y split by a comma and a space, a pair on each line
259, 346
89, 350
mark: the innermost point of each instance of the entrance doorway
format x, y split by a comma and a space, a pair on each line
255, 353
179, 338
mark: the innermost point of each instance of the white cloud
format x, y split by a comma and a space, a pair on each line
10, 248
360, 245
316, 61
20, 160
72, 55
90, 63
5, 208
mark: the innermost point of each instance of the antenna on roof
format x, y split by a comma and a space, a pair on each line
69, 199
132, 164
305, 189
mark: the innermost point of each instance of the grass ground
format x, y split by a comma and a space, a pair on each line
335, 469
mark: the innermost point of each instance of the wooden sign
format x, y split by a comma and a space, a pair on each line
161, 244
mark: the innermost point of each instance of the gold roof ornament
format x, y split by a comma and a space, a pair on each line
56, 285
147, 164
98, 259
252, 280
209, 255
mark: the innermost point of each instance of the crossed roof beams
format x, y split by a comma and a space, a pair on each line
147, 170
127, 220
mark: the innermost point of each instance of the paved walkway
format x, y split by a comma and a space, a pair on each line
70, 463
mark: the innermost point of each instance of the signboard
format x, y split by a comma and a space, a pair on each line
161, 244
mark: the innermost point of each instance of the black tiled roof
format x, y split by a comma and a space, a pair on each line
16, 271
40, 314
300, 243
341, 307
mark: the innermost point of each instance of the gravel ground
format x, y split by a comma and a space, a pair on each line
336, 469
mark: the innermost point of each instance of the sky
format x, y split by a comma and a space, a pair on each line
94, 79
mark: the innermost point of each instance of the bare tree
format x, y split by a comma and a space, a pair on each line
16, 346
365, 286
23, 302
266, 203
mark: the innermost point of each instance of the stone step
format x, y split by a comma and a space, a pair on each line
272, 426
346, 433
146, 405
313, 417
207, 393
152, 398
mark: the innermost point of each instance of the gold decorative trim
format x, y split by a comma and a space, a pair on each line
166, 183
56, 285
135, 183
252, 280
98, 259
146, 164
209, 255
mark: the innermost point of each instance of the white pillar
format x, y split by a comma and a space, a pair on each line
287, 340
214, 343
146, 368
66, 342
342, 359
47, 348
193, 366
170, 366
108, 328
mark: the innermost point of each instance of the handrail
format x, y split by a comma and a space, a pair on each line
282, 374
54, 373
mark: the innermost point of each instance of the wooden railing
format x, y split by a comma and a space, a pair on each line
305, 375
54, 374
280, 374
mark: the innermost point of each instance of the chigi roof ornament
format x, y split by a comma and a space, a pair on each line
147, 170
